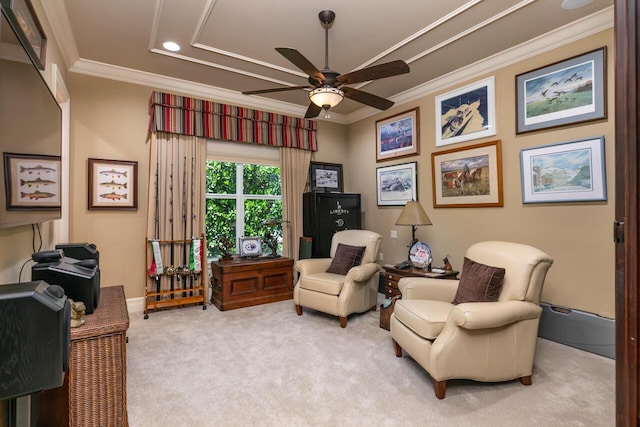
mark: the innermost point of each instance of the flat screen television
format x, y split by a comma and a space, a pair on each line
30, 137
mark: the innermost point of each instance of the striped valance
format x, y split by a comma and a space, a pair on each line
190, 116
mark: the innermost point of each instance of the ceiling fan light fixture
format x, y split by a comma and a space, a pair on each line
326, 96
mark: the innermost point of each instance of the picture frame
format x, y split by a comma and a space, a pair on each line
22, 17
572, 171
397, 184
250, 246
564, 93
466, 113
468, 177
325, 177
113, 184
398, 136
32, 181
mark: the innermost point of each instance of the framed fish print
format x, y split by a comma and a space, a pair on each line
32, 181
113, 184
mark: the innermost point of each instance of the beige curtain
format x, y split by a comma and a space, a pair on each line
294, 169
176, 209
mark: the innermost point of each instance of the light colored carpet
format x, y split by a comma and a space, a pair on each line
266, 366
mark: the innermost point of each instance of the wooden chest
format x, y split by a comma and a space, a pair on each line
244, 282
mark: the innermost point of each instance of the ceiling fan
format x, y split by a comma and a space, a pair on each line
327, 86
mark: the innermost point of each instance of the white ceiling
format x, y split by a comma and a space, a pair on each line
228, 45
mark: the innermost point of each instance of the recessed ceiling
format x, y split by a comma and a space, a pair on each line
228, 45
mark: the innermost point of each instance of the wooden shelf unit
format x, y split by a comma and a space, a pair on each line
182, 294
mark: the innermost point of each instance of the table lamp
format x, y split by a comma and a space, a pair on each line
413, 214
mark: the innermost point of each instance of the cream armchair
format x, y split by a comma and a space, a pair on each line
340, 294
482, 341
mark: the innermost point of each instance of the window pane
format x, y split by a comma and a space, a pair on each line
261, 179
221, 178
256, 212
220, 222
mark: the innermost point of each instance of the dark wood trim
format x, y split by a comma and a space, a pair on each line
626, 207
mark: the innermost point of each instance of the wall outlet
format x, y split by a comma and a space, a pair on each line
394, 234
380, 256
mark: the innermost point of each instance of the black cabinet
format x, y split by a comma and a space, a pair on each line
327, 213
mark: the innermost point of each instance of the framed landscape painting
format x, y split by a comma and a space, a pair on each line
564, 93
325, 177
572, 171
468, 177
396, 185
466, 113
398, 136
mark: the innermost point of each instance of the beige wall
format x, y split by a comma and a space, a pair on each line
577, 235
109, 120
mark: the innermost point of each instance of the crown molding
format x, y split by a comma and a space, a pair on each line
56, 14
567, 34
580, 29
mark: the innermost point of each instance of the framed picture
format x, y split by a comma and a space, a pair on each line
468, 177
396, 185
250, 246
325, 177
466, 113
572, 171
32, 181
24, 20
398, 136
113, 184
567, 92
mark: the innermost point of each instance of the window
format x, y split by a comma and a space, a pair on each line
240, 197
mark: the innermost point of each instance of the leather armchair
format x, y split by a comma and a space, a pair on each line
482, 341
336, 294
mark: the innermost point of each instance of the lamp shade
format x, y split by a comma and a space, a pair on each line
326, 95
413, 214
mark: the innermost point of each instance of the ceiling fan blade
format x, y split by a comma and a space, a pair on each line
367, 98
301, 62
277, 89
312, 111
374, 72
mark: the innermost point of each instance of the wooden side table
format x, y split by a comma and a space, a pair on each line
391, 277
245, 282
94, 392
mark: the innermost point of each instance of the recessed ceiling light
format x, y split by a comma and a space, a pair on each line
574, 4
172, 46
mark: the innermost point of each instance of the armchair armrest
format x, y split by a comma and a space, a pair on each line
428, 288
483, 315
312, 265
362, 273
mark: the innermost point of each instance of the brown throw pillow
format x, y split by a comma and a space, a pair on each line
479, 283
346, 256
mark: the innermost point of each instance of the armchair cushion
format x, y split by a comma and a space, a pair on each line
479, 283
326, 283
345, 258
424, 317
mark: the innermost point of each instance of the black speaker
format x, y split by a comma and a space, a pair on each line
79, 281
34, 338
80, 250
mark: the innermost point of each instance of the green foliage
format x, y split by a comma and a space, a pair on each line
220, 218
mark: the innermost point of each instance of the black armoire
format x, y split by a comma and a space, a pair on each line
327, 213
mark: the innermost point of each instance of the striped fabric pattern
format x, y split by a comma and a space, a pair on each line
207, 119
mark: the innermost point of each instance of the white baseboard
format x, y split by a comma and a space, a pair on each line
135, 305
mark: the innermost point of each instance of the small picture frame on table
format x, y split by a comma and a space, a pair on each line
250, 247
325, 177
